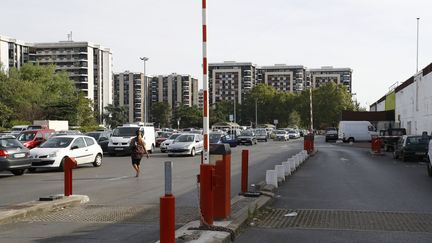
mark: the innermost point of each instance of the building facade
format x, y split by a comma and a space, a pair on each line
283, 77
13, 53
229, 81
129, 89
320, 76
89, 66
175, 89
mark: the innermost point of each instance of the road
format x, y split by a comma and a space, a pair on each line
344, 194
123, 207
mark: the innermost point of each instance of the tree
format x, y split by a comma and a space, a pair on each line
5, 113
294, 119
115, 115
220, 112
189, 116
161, 113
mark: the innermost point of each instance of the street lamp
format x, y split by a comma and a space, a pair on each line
144, 59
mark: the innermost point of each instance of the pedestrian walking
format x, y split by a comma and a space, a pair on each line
138, 151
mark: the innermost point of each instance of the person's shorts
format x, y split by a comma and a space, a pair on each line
136, 161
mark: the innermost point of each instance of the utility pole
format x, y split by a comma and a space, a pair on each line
256, 113
144, 59
418, 19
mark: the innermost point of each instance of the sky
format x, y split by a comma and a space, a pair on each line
375, 38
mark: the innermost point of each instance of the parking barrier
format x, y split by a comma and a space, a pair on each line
292, 164
280, 171
68, 164
271, 178
287, 166
167, 209
245, 165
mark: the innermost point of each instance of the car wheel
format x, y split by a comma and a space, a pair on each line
61, 166
265, 140
17, 172
350, 140
151, 149
192, 153
395, 155
98, 160
31, 169
429, 169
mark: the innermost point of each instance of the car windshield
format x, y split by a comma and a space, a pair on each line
174, 136
280, 132
261, 132
94, 135
9, 143
291, 131
331, 129
417, 140
125, 132
246, 133
57, 142
185, 138
26, 136
215, 137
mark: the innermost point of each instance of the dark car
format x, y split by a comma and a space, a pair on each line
14, 157
219, 138
411, 147
102, 137
162, 136
247, 137
331, 134
390, 137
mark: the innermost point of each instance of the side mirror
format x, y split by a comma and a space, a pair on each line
74, 147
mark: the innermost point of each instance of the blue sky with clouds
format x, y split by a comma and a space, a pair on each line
377, 39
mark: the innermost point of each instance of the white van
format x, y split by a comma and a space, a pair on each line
350, 131
119, 142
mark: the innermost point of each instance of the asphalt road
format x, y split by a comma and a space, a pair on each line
344, 194
122, 207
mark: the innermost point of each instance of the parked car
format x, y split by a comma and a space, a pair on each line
33, 138
102, 138
390, 137
247, 137
331, 133
429, 166
219, 138
162, 136
164, 145
293, 133
411, 146
261, 134
52, 153
186, 144
14, 157
16, 130
351, 131
281, 135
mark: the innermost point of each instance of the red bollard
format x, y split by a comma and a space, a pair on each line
244, 175
68, 164
376, 145
207, 193
167, 209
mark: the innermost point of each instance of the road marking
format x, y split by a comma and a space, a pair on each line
118, 178
343, 159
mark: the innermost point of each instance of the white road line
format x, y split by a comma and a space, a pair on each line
118, 178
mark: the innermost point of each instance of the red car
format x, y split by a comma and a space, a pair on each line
33, 138
162, 136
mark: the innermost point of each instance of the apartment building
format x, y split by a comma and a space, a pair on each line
129, 89
175, 89
282, 77
89, 66
320, 76
201, 99
229, 81
13, 53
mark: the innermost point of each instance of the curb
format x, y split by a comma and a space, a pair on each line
9, 214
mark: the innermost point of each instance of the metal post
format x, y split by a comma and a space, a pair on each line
144, 59
235, 101
311, 112
167, 209
245, 167
418, 19
256, 113
168, 177
205, 85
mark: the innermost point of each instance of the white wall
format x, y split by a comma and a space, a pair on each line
4, 55
381, 106
414, 105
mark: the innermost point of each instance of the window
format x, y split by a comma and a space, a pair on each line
89, 141
39, 135
79, 142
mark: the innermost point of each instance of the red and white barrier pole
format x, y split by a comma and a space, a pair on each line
245, 167
205, 85
167, 209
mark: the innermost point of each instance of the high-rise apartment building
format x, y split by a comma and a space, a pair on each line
13, 53
323, 75
175, 89
129, 91
229, 81
282, 77
89, 66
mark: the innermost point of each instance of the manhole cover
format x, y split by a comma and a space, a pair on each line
351, 220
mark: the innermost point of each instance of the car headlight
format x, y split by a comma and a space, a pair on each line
52, 155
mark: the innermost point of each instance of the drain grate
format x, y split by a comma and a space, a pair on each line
148, 214
351, 220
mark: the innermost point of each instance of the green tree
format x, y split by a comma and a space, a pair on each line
189, 116
115, 115
220, 112
294, 119
161, 113
5, 114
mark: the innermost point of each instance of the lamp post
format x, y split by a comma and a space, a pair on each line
144, 59
256, 113
418, 19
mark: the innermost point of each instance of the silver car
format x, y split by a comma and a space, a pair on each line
186, 144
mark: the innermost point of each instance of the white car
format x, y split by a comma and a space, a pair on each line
281, 135
293, 133
164, 145
51, 154
186, 144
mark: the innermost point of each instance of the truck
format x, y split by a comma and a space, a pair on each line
351, 131
57, 125
390, 137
